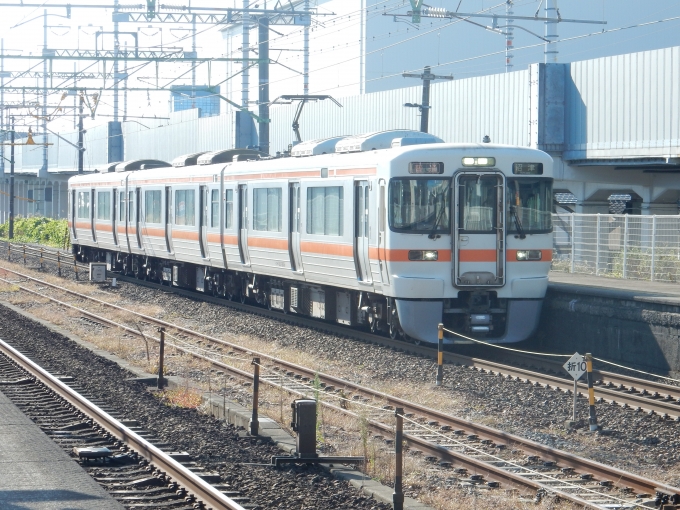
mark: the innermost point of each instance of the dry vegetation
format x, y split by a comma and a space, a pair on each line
338, 433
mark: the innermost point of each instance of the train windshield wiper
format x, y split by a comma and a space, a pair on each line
433, 234
518, 222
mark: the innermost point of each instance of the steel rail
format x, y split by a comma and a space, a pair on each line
531, 447
183, 476
613, 388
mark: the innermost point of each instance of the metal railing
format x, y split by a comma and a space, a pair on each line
618, 246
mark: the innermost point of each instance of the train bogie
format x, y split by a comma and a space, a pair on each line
396, 239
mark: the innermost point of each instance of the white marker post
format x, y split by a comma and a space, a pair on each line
575, 367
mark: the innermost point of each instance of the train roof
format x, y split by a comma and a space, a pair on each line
356, 160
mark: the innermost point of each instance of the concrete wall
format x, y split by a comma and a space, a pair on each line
635, 331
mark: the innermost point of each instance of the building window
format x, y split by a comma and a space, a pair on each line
83, 204
229, 208
152, 206
48, 194
103, 205
324, 210
267, 209
185, 208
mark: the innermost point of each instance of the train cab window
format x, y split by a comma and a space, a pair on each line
529, 205
324, 210
215, 208
152, 206
420, 205
478, 202
104, 205
185, 207
83, 204
267, 209
229, 208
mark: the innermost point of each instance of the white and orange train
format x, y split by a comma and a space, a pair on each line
395, 231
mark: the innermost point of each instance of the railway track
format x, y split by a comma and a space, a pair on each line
613, 388
117, 453
481, 455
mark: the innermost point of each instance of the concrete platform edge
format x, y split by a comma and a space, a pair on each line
235, 414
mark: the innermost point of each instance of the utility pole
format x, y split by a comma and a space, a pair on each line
2, 105
424, 107
245, 42
263, 68
80, 135
11, 184
305, 51
43, 171
509, 36
551, 12
116, 49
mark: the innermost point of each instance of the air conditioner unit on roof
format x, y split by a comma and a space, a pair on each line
315, 147
381, 140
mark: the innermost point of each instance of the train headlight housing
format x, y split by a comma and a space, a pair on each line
523, 255
426, 255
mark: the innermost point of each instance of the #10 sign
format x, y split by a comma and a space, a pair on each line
576, 366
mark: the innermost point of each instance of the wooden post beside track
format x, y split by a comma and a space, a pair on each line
75, 266
440, 354
591, 392
24, 246
59, 263
161, 355
41, 259
9, 251
254, 420
398, 495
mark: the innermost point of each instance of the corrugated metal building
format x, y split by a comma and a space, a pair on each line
610, 123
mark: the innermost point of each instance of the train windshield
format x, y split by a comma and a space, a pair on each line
529, 206
420, 205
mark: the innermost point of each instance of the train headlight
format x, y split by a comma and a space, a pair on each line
468, 161
529, 255
427, 255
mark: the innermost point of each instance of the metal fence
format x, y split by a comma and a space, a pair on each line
618, 246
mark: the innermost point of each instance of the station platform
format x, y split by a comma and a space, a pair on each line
585, 284
36, 474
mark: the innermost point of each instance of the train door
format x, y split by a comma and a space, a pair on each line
294, 222
72, 213
480, 224
382, 241
168, 218
114, 216
361, 231
203, 201
138, 215
93, 214
243, 223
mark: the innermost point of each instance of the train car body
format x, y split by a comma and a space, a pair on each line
396, 239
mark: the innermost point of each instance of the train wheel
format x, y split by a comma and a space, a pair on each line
242, 297
394, 331
268, 300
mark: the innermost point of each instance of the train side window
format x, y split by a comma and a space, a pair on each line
267, 209
121, 206
131, 206
324, 210
103, 205
83, 204
229, 209
152, 206
215, 208
185, 207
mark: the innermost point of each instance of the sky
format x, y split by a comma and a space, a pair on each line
457, 48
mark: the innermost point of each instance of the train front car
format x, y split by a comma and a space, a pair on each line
470, 241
